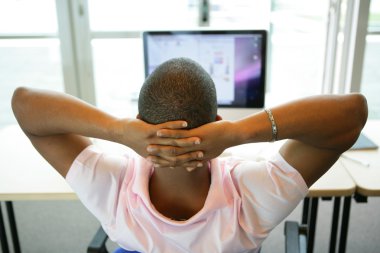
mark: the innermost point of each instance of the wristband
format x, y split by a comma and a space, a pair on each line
273, 123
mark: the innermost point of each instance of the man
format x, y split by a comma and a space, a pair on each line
179, 198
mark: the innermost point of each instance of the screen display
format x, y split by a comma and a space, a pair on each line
235, 60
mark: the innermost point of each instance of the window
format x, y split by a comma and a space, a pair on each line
102, 46
239, 14
295, 61
117, 45
121, 15
118, 70
298, 35
28, 17
29, 50
370, 80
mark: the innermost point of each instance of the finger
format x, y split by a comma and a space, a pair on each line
177, 124
190, 166
158, 162
170, 133
175, 161
183, 142
180, 160
159, 150
165, 151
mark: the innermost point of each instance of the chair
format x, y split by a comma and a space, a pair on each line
98, 242
295, 239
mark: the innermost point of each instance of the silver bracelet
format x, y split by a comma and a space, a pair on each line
273, 123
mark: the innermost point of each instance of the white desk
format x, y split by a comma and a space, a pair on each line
25, 175
367, 179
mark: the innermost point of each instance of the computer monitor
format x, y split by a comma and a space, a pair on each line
235, 59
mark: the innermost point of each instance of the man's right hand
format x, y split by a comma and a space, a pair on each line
214, 138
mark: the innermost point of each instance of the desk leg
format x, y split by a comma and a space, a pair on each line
305, 210
312, 222
345, 221
13, 227
335, 223
3, 235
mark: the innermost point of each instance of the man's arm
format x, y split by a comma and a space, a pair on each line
59, 125
319, 129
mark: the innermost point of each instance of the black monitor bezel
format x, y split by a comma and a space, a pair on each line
260, 101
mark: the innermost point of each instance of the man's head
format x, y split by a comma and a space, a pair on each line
178, 89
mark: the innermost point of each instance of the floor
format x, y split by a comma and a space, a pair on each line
66, 226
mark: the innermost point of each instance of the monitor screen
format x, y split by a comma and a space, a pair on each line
235, 60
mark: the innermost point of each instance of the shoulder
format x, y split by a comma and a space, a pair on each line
94, 166
97, 178
257, 169
269, 189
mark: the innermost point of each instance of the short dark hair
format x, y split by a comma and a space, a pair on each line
178, 89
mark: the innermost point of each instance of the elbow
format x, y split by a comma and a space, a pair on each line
363, 109
358, 111
17, 99
19, 103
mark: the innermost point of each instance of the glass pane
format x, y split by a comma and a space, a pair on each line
370, 86
33, 63
374, 16
370, 81
240, 14
119, 74
297, 49
121, 15
24, 16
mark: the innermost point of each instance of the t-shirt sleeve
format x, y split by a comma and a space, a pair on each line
96, 178
269, 191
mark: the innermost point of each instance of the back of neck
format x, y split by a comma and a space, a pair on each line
177, 193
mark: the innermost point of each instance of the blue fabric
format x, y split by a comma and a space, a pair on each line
120, 250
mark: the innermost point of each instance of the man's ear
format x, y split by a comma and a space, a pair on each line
218, 117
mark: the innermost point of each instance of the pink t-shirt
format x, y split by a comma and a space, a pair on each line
246, 200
